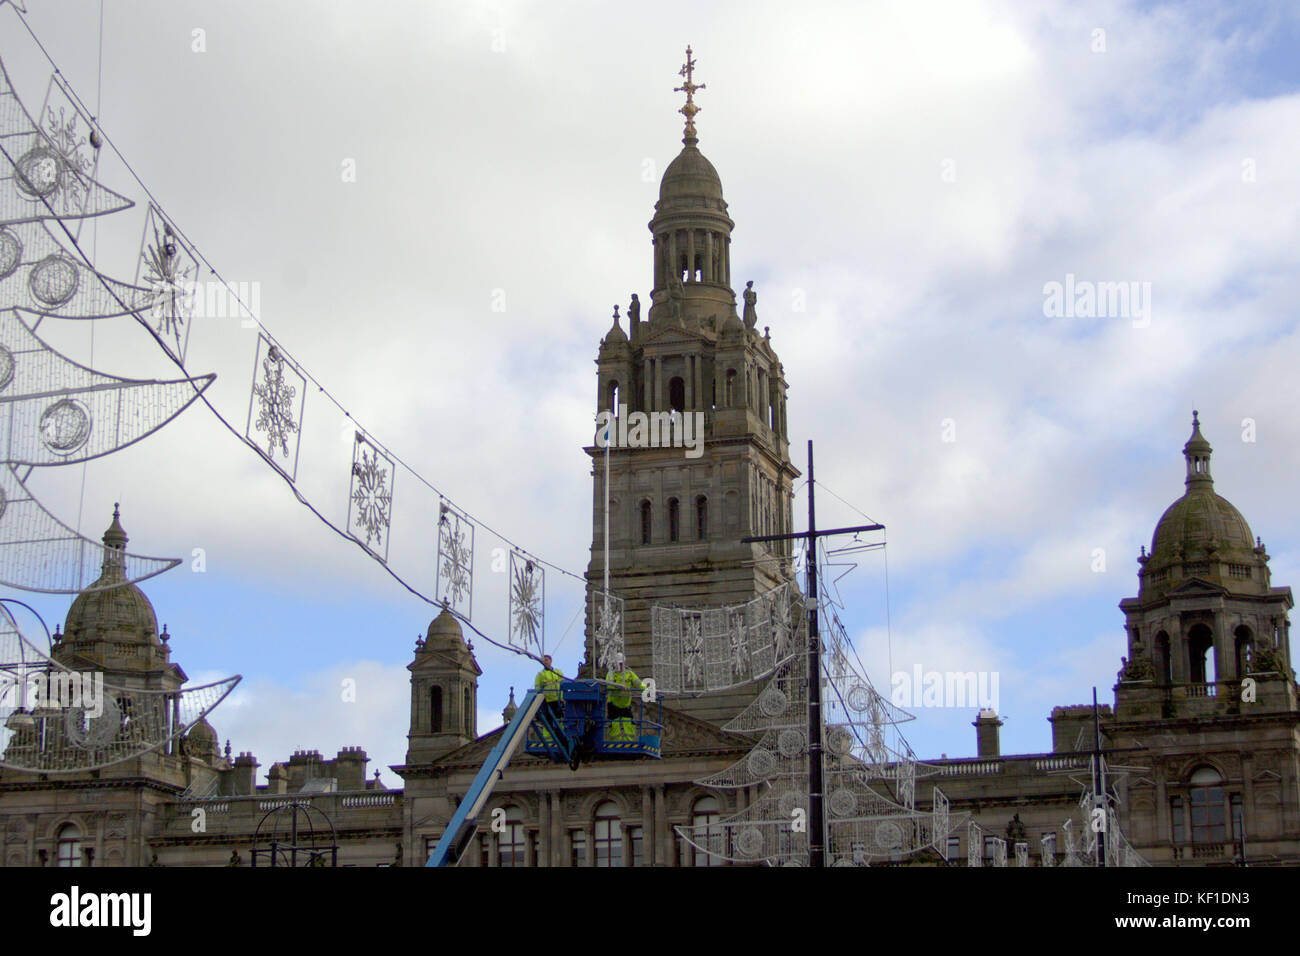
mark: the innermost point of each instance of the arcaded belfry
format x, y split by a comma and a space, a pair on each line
676, 523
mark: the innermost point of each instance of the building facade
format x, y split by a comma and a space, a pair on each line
1205, 712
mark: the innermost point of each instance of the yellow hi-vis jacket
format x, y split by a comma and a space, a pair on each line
626, 681
548, 680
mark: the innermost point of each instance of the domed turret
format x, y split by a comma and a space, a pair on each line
445, 634
692, 232
1202, 535
201, 742
111, 609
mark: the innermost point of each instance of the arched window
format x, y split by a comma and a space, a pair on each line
613, 397
510, 840
1244, 647
435, 710
69, 840
467, 711
646, 516
609, 835
1209, 811
702, 518
730, 394
677, 394
1200, 654
706, 818
674, 519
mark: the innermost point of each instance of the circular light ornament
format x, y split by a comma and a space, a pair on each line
749, 842
65, 426
843, 802
90, 733
889, 835
39, 172
53, 280
791, 742
11, 253
773, 702
761, 763
6, 367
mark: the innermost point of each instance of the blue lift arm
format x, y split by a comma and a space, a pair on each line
464, 822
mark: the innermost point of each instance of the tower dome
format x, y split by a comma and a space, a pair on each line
1202, 534
111, 609
691, 177
691, 232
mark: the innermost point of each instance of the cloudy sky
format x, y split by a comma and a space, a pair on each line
438, 204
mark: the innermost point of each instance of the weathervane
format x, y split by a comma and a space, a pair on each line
689, 88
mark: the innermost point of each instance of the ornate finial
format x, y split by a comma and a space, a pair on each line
689, 88
1195, 420
616, 315
117, 510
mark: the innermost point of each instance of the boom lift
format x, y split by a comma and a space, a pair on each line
582, 731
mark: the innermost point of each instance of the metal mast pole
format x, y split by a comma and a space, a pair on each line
816, 821
1099, 781
816, 817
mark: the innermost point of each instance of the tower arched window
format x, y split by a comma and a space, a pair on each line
702, 518
674, 519
1244, 648
69, 846
647, 515
467, 711
677, 394
706, 817
511, 840
435, 709
1200, 654
729, 395
609, 835
612, 396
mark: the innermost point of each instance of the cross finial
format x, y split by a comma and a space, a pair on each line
689, 88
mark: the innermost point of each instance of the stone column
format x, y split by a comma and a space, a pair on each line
1164, 825
709, 274
557, 830
690, 255
590, 832
697, 388
662, 835
672, 255
1247, 797
659, 384
543, 832
646, 385
647, 828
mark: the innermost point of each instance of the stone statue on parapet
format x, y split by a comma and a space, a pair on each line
751, 313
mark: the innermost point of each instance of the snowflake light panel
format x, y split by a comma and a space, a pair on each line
455, 564
370, 503
169, 269
527, 603
275, 409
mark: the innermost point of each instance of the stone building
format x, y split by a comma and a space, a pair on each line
1205, 717
1204, 711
